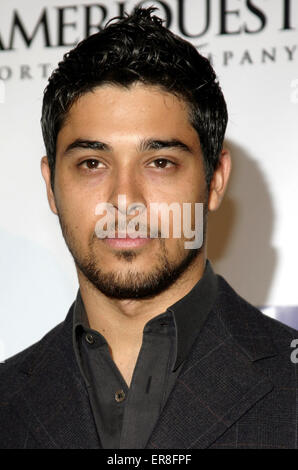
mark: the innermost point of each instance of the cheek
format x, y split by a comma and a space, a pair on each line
77, 212
175, 249
192, 188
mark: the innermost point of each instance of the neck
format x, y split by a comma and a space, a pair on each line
121, 322
103, 311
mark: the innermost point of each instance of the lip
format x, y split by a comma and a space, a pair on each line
126, 242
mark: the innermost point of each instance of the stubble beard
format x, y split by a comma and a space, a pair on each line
130, 284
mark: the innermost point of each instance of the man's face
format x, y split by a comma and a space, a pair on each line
147, 151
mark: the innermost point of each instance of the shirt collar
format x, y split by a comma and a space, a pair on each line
80, 316
189, 313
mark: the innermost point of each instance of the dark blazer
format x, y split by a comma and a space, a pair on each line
237, 389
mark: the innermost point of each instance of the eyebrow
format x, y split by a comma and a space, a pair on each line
86, 144
144, 145
154, 144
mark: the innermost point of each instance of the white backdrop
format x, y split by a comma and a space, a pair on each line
254, 48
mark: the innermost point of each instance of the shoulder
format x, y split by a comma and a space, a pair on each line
25, 376
243, 320
16, 360
15, 370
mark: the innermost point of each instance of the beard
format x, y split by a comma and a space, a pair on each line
129, 284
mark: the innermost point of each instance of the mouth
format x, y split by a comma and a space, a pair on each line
126, 242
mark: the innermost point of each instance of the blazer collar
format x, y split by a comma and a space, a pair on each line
221, 379
54, 402
218, 383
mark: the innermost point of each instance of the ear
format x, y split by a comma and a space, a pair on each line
46, 173
219, 180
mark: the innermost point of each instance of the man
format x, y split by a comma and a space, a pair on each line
156, 351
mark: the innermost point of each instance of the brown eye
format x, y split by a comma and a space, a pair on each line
162, 162
91, 164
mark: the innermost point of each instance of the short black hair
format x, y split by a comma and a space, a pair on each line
138, 48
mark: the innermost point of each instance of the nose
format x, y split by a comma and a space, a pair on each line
127, 191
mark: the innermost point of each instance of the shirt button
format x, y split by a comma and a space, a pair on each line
119, 396
90, 338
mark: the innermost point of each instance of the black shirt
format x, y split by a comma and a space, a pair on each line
125, 417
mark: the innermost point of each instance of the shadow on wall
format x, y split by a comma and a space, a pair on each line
240, 232
288, 315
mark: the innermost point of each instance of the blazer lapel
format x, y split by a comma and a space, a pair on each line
219, 382
54, 404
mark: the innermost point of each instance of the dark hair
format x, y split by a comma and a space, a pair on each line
138, 48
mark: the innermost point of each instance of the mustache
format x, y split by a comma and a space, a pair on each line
113, 230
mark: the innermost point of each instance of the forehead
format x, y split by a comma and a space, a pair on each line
114, 111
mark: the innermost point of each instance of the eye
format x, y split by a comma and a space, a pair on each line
162, 162
90, 164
